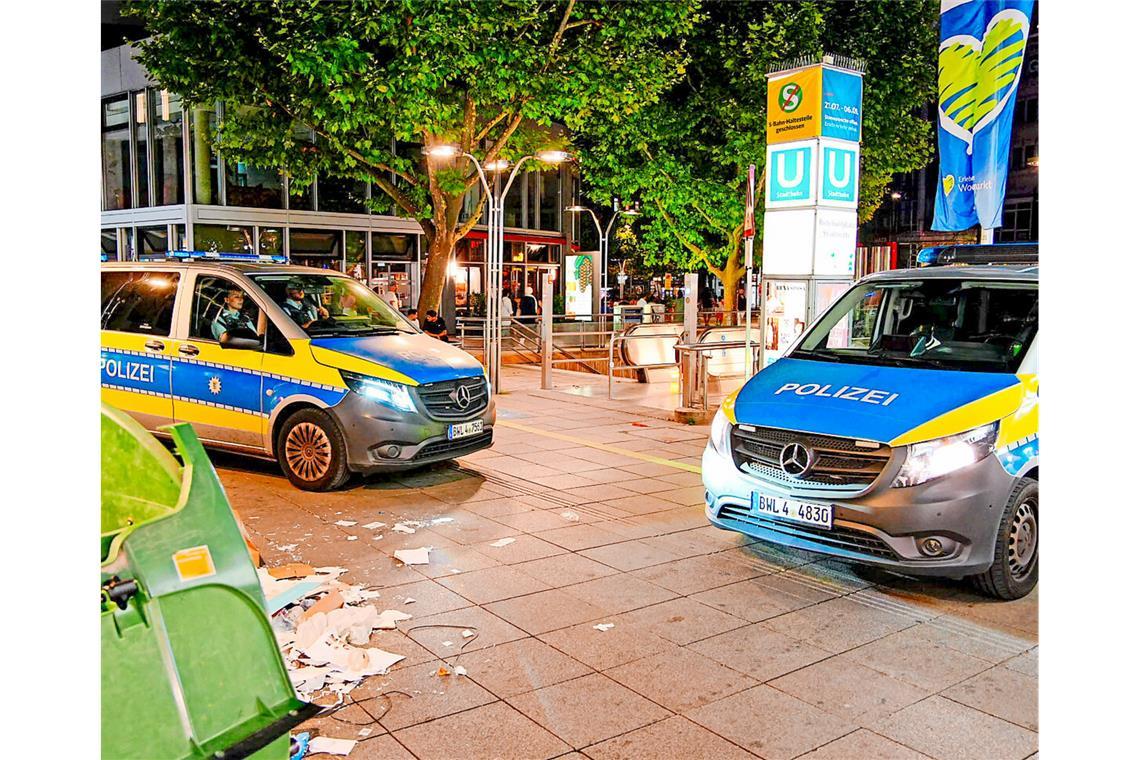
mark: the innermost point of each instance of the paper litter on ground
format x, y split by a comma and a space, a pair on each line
292, 570
353, 538
402, 528
409, 600
364, 733
448, 643
346, 523
330, 746
373, 525
460, 670
439, 520
468, 633
285, 547
571, 516
603, 626
502, 542
413, 556
323, 627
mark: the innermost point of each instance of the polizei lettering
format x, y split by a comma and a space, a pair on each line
142, 373
844, 392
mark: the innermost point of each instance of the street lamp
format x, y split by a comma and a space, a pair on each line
493, 327
604, 237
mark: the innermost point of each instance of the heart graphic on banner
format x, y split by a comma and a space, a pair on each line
977, 78
947, 183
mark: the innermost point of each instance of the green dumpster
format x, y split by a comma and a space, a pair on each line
190, 664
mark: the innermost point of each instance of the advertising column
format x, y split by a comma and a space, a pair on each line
811, 197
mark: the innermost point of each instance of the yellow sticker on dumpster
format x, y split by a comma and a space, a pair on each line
194, 563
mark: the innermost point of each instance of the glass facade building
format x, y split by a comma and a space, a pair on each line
165, 188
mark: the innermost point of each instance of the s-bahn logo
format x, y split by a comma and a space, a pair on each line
791, 95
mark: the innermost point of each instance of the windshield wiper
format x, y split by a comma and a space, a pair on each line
811, 354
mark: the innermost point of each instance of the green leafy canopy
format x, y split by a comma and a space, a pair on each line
686, 157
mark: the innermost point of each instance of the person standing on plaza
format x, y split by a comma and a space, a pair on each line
435, 326
391, 297
528, 306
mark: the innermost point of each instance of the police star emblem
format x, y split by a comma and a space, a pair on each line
215, 385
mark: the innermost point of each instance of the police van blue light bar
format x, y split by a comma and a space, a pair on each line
1024, 254
263, 258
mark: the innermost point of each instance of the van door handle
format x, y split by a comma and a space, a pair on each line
188, 349
154, 345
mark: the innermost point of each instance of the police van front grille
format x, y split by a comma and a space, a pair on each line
442, 400
838, 537
839, 461
457, 447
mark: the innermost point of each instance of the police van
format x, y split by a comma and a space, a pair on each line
305, 366
900, 429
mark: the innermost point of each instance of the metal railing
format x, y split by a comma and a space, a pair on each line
622, 338
695, 385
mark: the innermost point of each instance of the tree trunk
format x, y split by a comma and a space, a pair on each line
435, 273
729, 278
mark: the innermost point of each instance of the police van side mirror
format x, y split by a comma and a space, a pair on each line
242, 344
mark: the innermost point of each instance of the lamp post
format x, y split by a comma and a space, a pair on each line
604, 237
493, 327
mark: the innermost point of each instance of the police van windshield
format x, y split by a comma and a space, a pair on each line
930, 324
332, 306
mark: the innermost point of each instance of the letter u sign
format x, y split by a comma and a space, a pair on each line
790, 175
840, 181
782, 161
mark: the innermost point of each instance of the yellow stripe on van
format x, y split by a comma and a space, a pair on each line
361, 366
979, 412
226, 418
728, 406
1023, 422
159, 406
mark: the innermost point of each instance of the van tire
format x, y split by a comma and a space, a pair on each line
311, 451
1010, 576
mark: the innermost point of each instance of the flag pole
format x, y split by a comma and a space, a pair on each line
749, 239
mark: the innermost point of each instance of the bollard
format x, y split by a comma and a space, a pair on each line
547, 330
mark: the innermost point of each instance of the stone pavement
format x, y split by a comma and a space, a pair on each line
720, 646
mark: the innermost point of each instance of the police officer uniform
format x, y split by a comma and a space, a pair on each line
228, 319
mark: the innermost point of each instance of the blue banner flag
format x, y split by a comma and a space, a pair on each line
980, 59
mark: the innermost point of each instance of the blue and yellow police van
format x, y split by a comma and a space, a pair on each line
900, 429
305, 366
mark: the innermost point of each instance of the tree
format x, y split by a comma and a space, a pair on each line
337, 88
686, 157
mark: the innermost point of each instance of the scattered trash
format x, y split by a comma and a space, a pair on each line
389, 618
468, 633
409, 600
439, 520
373, 525
442, 672
455, 570
413, 556
298, 745
330, 746
571, 516
449, 643
292, 570
346, 523
403, 528
353, 538
460, 670
323, 627
603, 626
378, 536
502, 542
639, 424
364, 733
286, 548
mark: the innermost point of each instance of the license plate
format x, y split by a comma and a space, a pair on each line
794, 511
464, 429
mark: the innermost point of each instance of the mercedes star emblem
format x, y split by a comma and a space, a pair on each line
462, 396
796, 459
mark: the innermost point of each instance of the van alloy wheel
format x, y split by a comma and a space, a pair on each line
308, 451
1023, 539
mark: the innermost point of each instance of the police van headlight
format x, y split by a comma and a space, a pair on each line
719, 432
393, 395
933, 459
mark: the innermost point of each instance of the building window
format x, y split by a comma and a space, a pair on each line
514, 204
388, 246
341, 195
550, 201
1016, 222
110, 244
116, 154
153, 240
251, 187
270, 240
217, 238
142, 147
354, 244
166, 115
316, 248
204, 122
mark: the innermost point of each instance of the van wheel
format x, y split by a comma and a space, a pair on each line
1013, 573
311, 451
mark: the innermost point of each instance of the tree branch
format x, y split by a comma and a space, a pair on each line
692, 248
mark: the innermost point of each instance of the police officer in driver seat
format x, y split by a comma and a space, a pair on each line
299, 310
231, 317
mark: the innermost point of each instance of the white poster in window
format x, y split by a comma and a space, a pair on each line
788, 238
835, 235
579, 285
785, 316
